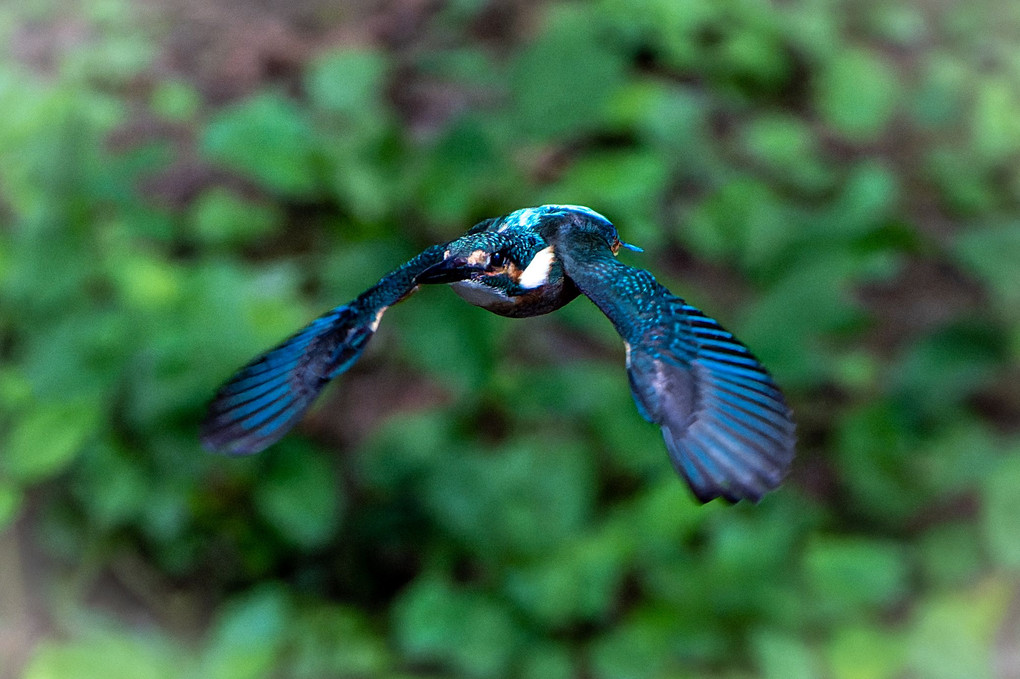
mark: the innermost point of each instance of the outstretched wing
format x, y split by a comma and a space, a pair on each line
727, 427
265, 398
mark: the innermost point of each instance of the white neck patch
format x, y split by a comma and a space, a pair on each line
537, 272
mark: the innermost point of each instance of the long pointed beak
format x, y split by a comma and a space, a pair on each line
449, 270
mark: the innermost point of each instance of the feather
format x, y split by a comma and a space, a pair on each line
727, 427
266, 398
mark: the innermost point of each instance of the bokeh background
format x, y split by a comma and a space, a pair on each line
183, 183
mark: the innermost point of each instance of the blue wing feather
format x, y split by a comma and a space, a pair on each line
264, 399
737, 416
727, 427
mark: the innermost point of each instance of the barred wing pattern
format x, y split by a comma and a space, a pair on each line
731, 434
727, 427
265, 398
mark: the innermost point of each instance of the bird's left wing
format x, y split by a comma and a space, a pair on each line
265, 398
727, 427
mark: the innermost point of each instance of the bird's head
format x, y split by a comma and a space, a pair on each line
491, 259
513, 254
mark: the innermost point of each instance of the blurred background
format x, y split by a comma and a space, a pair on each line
184, 183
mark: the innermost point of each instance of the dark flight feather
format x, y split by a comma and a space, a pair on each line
265, 398
727, 427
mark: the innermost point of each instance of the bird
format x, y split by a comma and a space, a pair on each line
728, 430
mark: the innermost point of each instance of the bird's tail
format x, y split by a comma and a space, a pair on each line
265, 398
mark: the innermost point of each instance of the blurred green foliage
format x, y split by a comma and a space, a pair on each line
837, 181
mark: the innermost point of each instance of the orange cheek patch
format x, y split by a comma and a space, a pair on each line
513, 271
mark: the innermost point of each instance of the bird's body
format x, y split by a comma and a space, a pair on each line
529, 281
726, 425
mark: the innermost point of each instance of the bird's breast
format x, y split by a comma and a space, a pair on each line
480, 294
533, 302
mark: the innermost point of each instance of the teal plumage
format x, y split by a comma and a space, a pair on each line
726, 425
267, 397
727, 428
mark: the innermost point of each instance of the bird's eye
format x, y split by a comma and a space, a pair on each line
497, 260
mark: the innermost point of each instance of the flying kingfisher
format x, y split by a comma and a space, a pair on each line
727, 427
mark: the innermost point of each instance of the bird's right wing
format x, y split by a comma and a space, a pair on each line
727, 427
265, 398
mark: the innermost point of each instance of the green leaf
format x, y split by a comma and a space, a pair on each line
348, 81
406, 448
953, 636
637, 648
46, 440
958, 456
744, 220
991, 252
942, 97
677, 27
754, 58
547, 661
105, 656
1001, 512
111, 486
525, 498
460, 352
269, 139
175, 100
626, 186
941, 370
299, 495
953, 554
366, 187
785, 326
10, 502
856, 93
786, 145
873, 454
665, 514
849, 573
781, 656
962, 181
868, 200
435, 622
672, 118
549, 389
332, 641
459, 170
859, 652
577, 583
247, 636
995, 125
573, 97
901, 24
222, 217
146, 282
